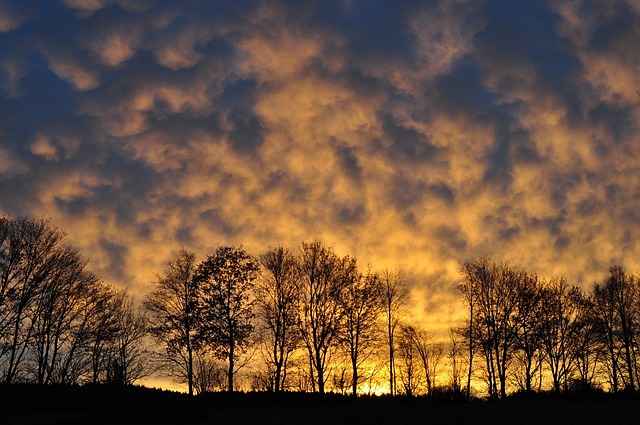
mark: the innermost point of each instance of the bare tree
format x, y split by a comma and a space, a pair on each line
227, 279
360, 304
127, 356
494, 292
560, 324
278, 299
625, 295
394, 296
209, 373
588, 348
319, 307
62, 325
472, 272
616, 302
454, 355
28, 255
173, 314
428, 352
409, 369
528, 345
102, 315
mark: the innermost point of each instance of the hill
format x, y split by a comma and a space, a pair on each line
43, 405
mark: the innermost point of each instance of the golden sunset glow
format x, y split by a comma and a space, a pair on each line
411, 136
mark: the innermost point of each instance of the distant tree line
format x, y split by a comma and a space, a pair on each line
308, 320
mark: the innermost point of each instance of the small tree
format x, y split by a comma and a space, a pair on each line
409, 357
226, 279
173, 314
127, 357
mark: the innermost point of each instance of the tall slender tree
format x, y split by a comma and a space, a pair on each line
471, 271
394, 297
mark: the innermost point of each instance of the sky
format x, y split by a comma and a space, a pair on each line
413, 135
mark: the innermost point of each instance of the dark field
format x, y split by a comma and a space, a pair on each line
111, 405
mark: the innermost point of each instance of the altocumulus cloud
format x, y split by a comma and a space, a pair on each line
412, 135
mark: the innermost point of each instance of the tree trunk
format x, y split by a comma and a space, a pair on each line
470, 371
354, 365
230, 371
190, 368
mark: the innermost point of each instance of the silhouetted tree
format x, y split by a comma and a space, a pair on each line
625, 296
394, 297
586, 340
29, 254
209, 373
425, 351
278, 300
67, 302
471, 271
409, 358
528, 344
226, 279
173, 314
127, 357
560, 318
616, 301
454, 355
320, 282
494, 291
103, 309
360, 306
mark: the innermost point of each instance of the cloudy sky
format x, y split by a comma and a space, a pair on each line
412, 135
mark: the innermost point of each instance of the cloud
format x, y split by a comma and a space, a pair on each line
10, 18
411, 135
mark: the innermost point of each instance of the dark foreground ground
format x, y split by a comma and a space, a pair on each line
26, 404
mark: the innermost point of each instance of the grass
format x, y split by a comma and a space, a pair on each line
31, 405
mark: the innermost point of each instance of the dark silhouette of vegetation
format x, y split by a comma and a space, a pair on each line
278, 302
321, 324
360, 306
58, 322
322, 274
528, 330
394, 296
56, 404
226, 279
174, 315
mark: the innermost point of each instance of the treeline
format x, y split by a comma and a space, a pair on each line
528, 334
58, 322
308, 320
